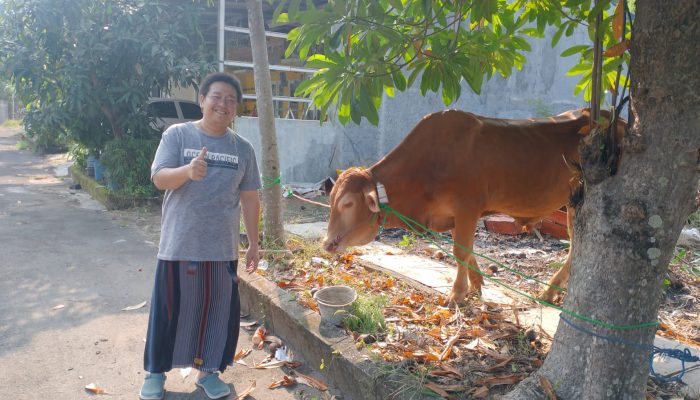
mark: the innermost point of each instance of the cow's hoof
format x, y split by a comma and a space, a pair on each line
456, 300
547, 296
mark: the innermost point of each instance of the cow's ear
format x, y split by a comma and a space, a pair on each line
371, 200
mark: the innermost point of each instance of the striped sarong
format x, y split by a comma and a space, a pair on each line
195, 316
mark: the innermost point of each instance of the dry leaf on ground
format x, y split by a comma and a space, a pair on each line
276, 364
481, 392
437, 389
246, 392
285, 381
313, 382
241, 354
447, 371
499, 365
135, 307
259, 337
500, 380
92, 388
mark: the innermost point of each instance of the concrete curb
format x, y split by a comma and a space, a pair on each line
348, 369
105, 196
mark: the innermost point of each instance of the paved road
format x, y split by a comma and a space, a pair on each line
68, 269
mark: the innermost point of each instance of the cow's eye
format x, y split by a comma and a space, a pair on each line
347, 204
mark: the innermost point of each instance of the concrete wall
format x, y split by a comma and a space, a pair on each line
306, 148
309, 151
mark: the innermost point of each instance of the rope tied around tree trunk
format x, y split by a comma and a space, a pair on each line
683, 355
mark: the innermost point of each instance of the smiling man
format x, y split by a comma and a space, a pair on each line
209, 174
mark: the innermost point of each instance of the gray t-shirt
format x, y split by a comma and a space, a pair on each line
201, 219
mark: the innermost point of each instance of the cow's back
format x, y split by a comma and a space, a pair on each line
519, 167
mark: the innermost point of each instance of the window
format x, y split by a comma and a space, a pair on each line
190, 111
163, 109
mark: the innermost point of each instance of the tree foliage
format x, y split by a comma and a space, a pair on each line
366, 48
85, 68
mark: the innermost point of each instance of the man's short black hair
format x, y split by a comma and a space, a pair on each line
220, 77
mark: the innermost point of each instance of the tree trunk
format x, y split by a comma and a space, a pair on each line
628, 225
273, 228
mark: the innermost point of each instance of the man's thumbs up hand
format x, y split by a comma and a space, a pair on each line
202, 153
198, 166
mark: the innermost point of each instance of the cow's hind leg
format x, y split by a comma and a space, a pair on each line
468, 277
561, 278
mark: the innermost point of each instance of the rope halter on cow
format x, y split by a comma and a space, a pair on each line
383, 200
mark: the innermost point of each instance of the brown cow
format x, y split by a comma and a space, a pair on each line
455, 167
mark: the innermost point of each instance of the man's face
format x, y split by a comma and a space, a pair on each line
220, 104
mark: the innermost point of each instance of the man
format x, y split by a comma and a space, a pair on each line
209, 174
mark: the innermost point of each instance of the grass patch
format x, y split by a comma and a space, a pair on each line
302, 250
12, 123
23, 143
407, 241
367, 315
686, 261
408, 378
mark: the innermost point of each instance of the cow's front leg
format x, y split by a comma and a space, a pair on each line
468, 277
558, 281
561, 278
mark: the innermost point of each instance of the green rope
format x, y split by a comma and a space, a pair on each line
411, 225
270, 182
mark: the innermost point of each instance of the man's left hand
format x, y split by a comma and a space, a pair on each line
252, 257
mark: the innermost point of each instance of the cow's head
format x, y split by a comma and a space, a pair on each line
354, 205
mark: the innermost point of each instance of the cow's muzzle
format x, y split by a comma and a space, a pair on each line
331, 246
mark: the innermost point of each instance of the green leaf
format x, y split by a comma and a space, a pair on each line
520, 43
580, 86
417, 68
282, 18
580, 69
305, 87
557, 35
474, 77
435, 78
367, 107
574, 50
294, 8
532, 32
425, 82
355, 113
319, 61
389, 90
278, 12
399, 80
397, 4
484, 9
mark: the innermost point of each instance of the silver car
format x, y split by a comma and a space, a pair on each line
172, 111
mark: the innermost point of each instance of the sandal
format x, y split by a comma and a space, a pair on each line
213, 386
153, 387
